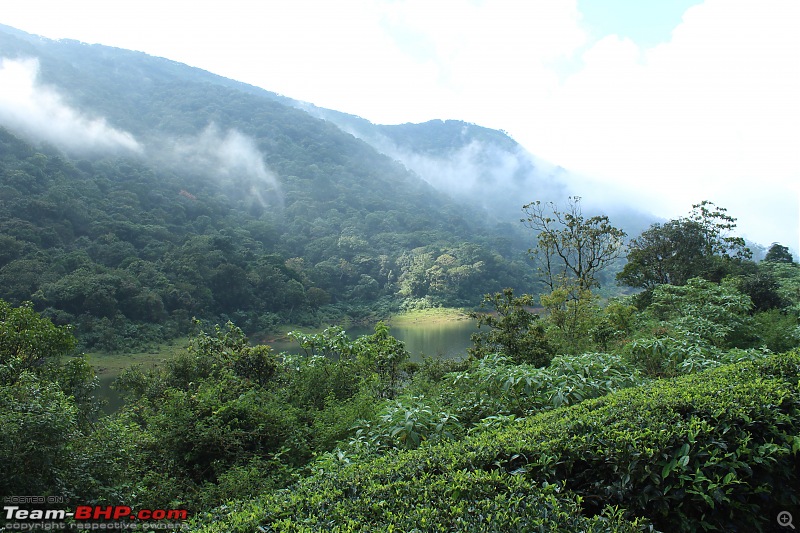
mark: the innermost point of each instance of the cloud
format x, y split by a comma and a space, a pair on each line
230, 158
39, 112
711, 114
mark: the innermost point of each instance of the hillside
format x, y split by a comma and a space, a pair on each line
138, 192
143, 200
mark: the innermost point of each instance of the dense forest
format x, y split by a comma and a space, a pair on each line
620, 379
128, 253
232, 204
675, 409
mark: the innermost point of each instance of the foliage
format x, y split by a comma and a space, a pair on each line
514, 329
385, 356
469, 501
675, 414
128, 251
717, 313
778, 330
572, 315
211, 414
39, 424
614, 324
716, 226
29, 343
569, 246
668, 253
778, 253
697, 452
404, 424
48, 412
699, 245
685, 325
495, 385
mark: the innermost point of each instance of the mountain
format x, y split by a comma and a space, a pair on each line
483, 167
138, 192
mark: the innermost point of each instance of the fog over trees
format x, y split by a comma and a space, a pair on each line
627, 374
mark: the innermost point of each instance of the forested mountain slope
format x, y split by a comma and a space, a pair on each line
485, 168
136, 192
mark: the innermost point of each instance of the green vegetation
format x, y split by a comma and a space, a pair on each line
698, 451
677, 418
113, 248
674, 409
306, 225
429, 314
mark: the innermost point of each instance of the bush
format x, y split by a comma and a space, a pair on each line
452, 501
405, 424
703, 451
495, 386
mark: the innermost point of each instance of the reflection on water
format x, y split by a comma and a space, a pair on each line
441, 339
112, 400
446, 340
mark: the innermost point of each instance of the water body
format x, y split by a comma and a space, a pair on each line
433, 338
444, 339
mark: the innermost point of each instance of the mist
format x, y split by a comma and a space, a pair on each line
493, 177
500, 177
41, 113
230, 158
483, 174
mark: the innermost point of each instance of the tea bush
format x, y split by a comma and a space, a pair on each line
702, 451
495, 386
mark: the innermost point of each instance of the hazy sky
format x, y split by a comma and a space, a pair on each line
676, 100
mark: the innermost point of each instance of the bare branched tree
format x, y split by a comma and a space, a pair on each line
571, 249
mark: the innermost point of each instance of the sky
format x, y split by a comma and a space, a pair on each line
663, 102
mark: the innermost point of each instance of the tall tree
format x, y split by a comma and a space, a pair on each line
665, 254
571, 249
513, 330
778, 253
717, 225
699, 245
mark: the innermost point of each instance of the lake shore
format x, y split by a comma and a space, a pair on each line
436, 315
115, 364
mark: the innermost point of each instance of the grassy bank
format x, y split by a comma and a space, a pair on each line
114, 364
111, 365
433, 315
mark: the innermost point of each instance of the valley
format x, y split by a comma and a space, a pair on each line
317, 323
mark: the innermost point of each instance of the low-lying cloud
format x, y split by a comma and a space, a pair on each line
497, 178
231, 158
41, 113
482, 173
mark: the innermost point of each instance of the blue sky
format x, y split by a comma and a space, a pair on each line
645, 22
662, 102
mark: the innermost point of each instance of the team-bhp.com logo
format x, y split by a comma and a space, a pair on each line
93, 517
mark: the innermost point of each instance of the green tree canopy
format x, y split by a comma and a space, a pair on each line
671, 253
514, 330
778, 253
29, 342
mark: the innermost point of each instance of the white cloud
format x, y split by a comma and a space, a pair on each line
230, 158
712, 113
40, 112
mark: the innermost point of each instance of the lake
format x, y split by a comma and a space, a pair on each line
445, 339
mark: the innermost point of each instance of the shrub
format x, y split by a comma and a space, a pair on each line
703, 451
494, 386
